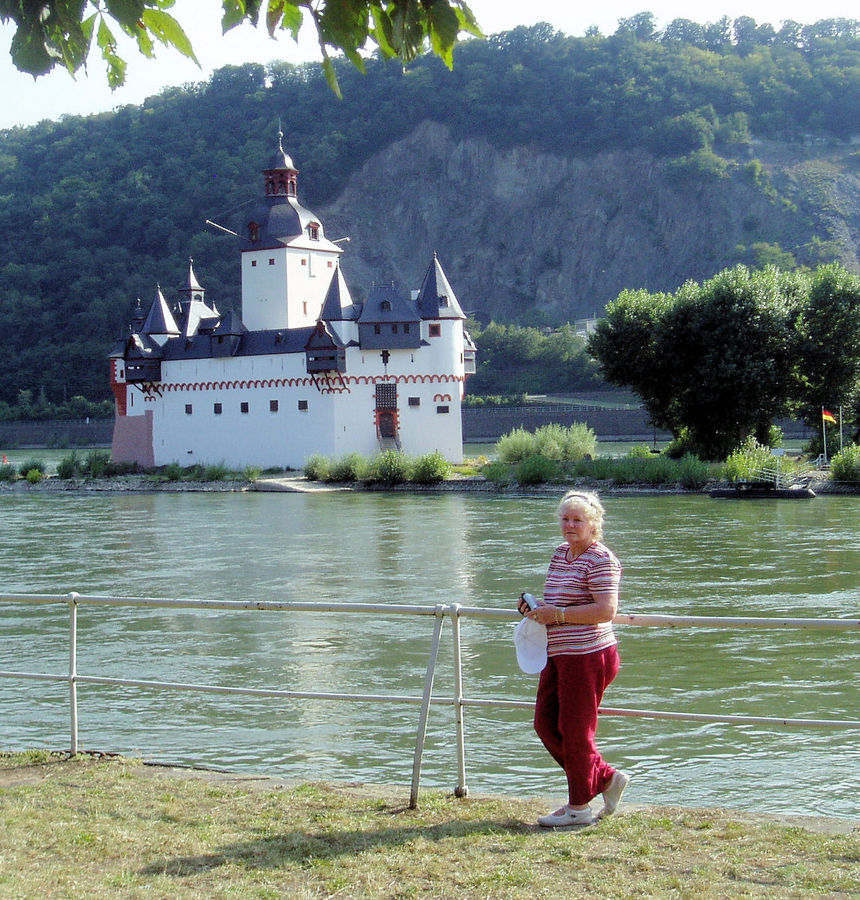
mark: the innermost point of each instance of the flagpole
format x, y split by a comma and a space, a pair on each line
840, 428
824, 434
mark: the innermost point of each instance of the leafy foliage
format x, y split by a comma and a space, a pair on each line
845, 466
717, 362
61, 32
554, 442
117, 202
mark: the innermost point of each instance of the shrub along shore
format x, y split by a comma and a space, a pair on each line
550, 457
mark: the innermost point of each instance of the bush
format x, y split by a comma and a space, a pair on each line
553, 441
640, 451
172, 472
251, 473
515, 446
693, 473
746, 462
97, 464
352, 467
69, 466
845, 466
497, 472
537, 470
34, 476
316, 467
7, 472
390, 467
214, 472
431, 468
28, 465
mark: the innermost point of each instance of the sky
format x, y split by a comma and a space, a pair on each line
27, 100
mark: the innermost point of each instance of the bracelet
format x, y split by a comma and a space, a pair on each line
559, 616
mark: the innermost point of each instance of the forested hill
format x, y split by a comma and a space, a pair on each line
548, 172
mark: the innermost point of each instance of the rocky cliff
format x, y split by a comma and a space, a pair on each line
532, 237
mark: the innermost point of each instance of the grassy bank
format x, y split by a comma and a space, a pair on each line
100, 828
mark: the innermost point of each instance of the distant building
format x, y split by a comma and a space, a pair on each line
305, 369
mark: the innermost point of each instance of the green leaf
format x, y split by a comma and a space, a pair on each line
331, 77
167, 30
127, 13
284, 14
234, 14
444, 28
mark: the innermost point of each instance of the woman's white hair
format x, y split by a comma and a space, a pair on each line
590, 504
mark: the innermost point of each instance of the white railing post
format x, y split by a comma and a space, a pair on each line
73, 672
461, 790
425, 706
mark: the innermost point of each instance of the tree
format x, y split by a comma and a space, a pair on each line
828, 362
60, 32
713, 361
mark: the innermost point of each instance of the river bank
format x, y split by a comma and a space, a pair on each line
295, 482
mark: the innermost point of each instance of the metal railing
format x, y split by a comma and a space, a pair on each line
455, 612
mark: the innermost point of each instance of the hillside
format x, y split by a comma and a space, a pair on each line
547, 172
539, 238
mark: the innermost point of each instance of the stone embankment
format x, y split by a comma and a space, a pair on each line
820, 482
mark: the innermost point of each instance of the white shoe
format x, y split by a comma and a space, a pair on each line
613, 792
566, 818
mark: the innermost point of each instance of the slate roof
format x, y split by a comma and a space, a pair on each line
436, 299
386, 304
160, 319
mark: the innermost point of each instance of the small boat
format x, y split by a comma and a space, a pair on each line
761, 490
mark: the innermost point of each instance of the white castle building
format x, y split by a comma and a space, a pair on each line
305, 370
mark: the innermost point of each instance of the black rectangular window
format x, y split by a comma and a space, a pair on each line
218, 409
273, 406
442, 409
187, 409
435, 331
243, 406
415, 401
303, 404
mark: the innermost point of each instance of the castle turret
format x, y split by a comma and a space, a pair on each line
287, 261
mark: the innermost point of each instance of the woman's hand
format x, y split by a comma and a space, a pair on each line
547, 614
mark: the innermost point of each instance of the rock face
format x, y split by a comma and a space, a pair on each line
537, 238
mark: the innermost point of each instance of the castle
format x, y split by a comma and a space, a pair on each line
305, 370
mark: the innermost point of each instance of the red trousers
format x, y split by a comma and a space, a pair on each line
569, 694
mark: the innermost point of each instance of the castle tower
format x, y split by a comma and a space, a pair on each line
287, 261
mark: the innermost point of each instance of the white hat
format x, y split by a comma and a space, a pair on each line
530, 643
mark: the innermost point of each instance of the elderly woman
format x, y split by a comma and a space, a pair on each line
579, 602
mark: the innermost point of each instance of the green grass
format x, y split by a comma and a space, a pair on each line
102, 828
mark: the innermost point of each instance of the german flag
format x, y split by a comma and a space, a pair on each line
828, 416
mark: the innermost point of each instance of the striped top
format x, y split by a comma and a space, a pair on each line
571, 584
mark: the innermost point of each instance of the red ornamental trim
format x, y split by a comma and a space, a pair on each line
441, 398
151, 387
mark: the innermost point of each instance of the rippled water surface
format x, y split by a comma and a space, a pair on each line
682, 554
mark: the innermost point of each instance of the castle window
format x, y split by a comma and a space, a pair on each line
243, 406
330, 263
304, 261
377, 329
253, 263
435, 331
218, 409
385, 305
304, 307
406, 328
314, 231
394, 329
253, 231
188, 409
415, 401
271, 260
443, 300
442, 409
303, 405
273, 406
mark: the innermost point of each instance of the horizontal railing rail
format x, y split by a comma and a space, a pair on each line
455, 612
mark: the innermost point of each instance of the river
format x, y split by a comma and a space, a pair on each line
682, 555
